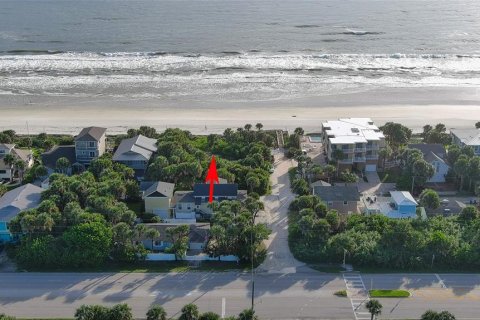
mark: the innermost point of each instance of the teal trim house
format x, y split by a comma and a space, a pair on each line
15, 201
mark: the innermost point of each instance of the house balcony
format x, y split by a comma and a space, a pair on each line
359, 159
362, 149
346, 161
373, 147
372, 157
349, 150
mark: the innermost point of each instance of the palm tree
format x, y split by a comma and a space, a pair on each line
189, 312
461, 169
62, 165
248, 126
44, 222
385, 153
247, 314
9, 160
152, 234
329, 170
156, 312
20, 168
374, 307
338, 155
259, 126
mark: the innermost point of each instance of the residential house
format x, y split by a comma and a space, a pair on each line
436, 155
193, 204
49, 158
15, 201
90, 144
400, 204
136, 153
342, 198
358, 139
467, 137
6, 171
198, 236
157, 196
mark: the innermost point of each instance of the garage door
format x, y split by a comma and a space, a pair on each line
371, 167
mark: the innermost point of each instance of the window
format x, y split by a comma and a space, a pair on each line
179, 206
3, 171
156, 243
345, 203
92, 154
2, 151
330, 203
91, 144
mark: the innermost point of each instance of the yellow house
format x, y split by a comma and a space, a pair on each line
158, 197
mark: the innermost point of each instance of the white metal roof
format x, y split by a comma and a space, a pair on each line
403, 198
352, 130
136, 148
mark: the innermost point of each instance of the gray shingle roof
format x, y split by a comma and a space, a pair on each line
337, 193
49, 159
160, 189
136, 148
19, 199
219, 190
431, 151
182, 197
91, 133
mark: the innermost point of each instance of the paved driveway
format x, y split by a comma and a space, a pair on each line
279, 257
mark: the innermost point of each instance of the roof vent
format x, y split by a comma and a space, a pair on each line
355, 130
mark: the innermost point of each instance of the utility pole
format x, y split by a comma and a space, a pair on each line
413, 183
252, 271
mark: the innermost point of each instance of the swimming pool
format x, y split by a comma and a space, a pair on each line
316, 139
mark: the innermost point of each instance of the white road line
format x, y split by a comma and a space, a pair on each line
223, 307
440, 281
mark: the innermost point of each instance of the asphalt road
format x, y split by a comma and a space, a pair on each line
302, 295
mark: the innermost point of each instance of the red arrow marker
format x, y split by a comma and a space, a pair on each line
212, 177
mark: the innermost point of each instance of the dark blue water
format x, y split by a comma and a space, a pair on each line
235, 49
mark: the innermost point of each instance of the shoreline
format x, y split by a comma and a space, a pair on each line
413, 107
216, 120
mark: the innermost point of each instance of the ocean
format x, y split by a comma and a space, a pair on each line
230, 50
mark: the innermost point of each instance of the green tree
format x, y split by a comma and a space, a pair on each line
461, 169
259, 126
156, 312
248, 314
87, 244
20, 168
189, 312
62, 165
209, 316
9, 160
92, 312
41, 171
477, 125
429, 198
152, 234
396, 134
374, 307
180, 240
469, 213
3, 189
120, 312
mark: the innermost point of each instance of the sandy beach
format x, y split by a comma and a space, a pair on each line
409, 107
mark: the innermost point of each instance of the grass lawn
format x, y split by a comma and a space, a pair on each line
341, 293
368, 269
389, 293
389, 176
160, 267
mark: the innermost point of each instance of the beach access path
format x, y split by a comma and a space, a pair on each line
279, 258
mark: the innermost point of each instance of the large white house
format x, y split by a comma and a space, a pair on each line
6, 171
358, 139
